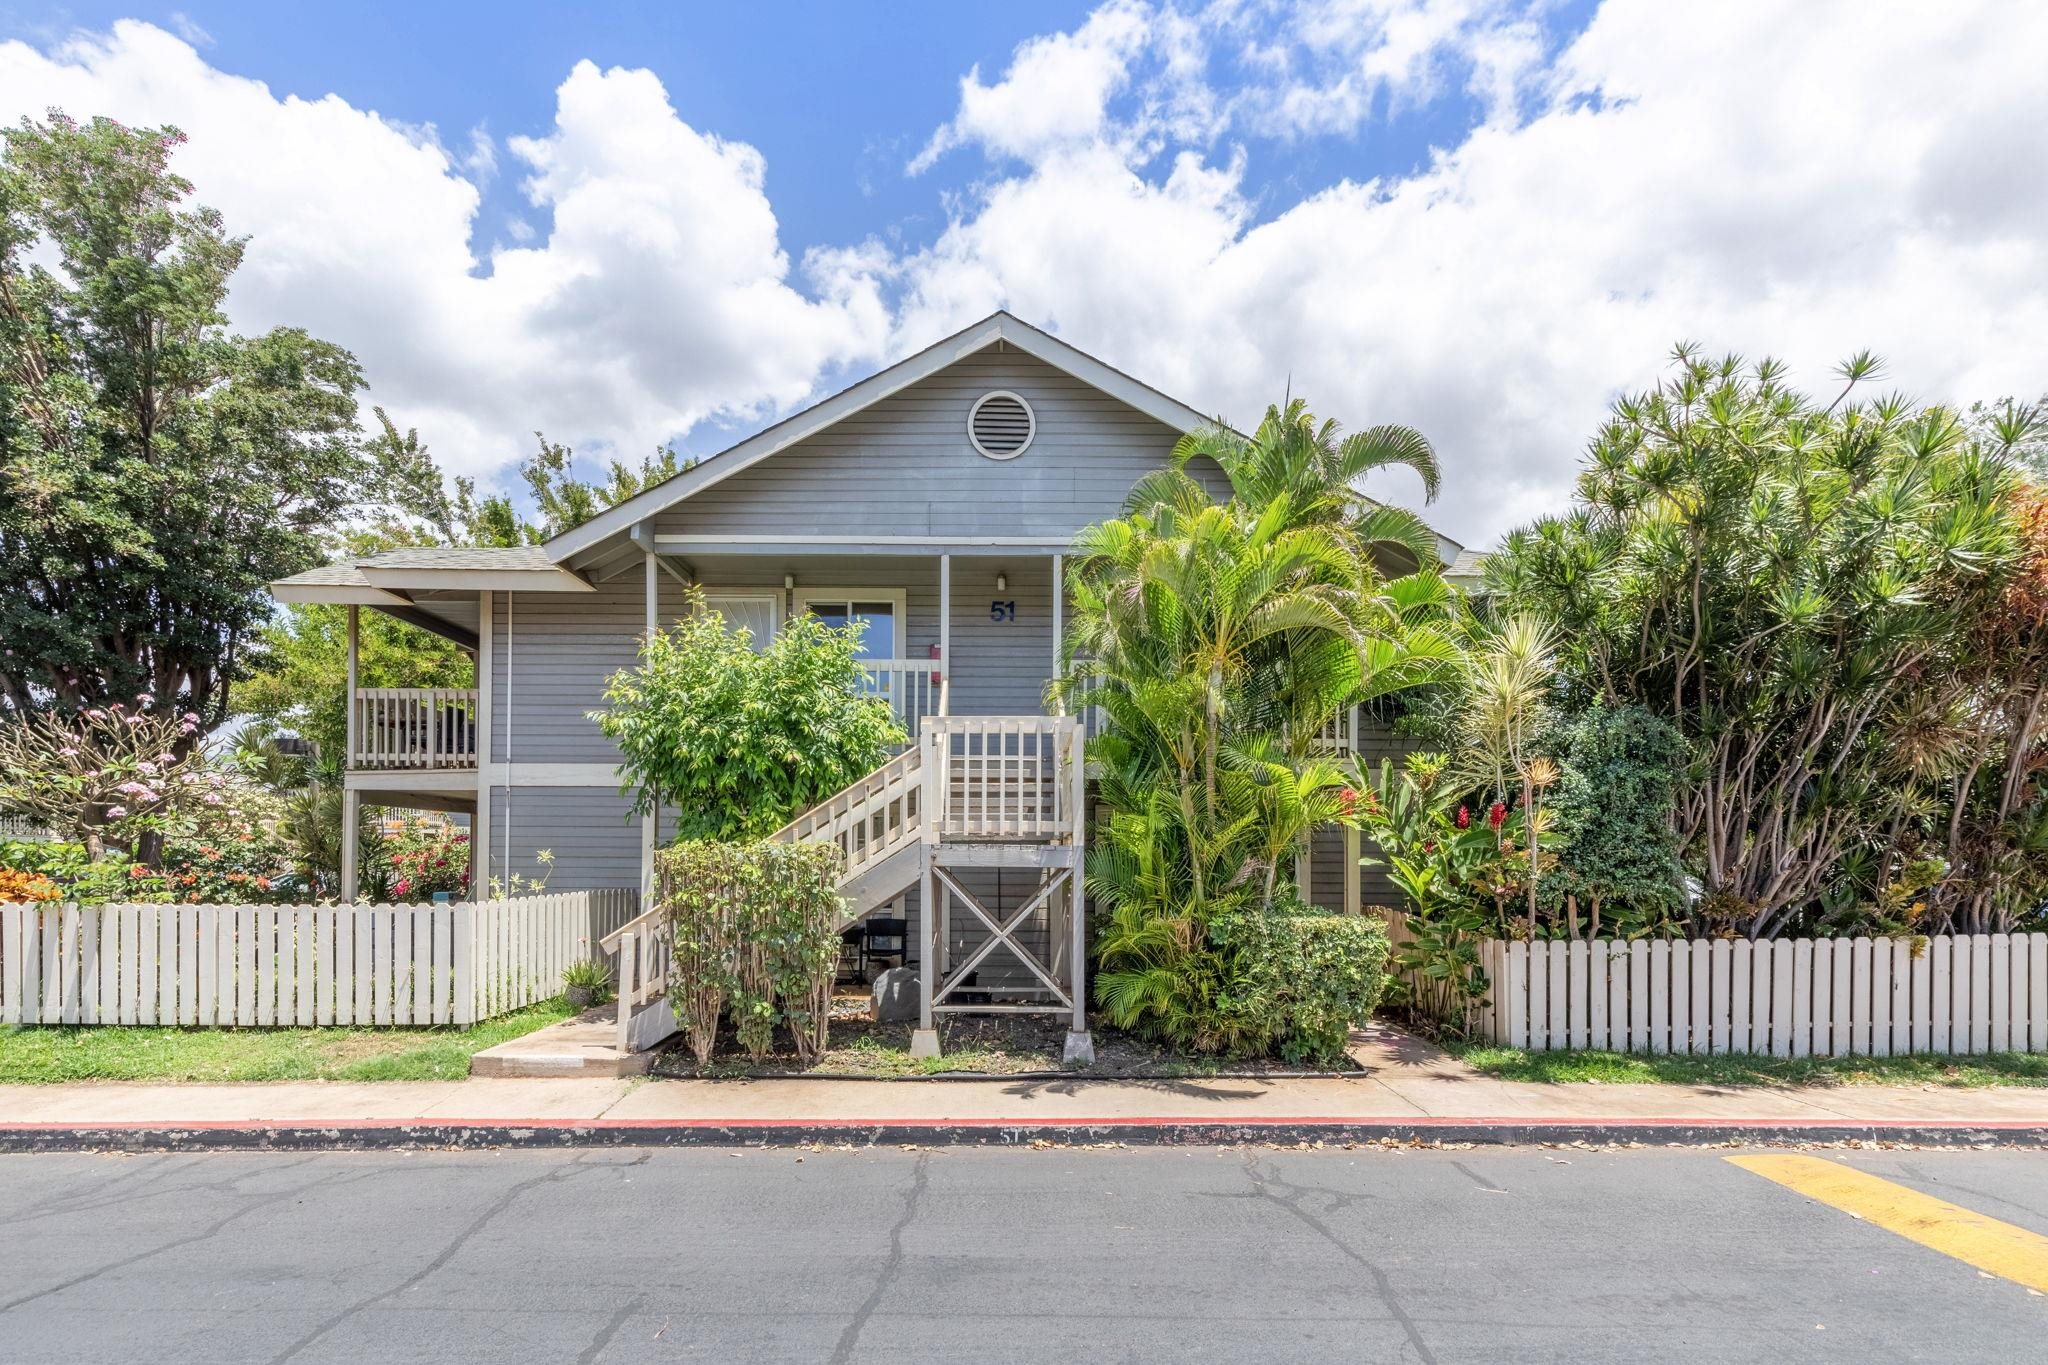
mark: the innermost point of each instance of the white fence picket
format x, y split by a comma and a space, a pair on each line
300, 966
1788, 997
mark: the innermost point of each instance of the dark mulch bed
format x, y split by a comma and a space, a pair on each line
970, 1045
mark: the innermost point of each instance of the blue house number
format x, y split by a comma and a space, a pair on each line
1002, 611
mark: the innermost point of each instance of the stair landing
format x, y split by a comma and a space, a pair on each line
583, 1046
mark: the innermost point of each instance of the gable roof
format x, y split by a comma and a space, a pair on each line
998, 326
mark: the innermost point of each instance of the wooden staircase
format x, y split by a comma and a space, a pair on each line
973, 793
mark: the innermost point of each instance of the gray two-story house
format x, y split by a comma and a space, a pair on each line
933, 500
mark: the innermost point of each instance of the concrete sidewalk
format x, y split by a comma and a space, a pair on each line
1433, 1102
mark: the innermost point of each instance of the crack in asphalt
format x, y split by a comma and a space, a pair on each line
609, 1330
1264, 1187
849, 1338
211, 1230
1481, 1181
447, 1253
153, 1189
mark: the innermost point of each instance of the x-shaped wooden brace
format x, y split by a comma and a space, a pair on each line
999, 934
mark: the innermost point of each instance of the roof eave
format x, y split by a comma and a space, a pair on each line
477, 580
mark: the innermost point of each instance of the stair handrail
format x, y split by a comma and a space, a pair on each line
902, 765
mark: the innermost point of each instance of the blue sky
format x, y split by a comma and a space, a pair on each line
837, 96
629, 224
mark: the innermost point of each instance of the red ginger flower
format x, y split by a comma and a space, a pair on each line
1496, 815
1464, 818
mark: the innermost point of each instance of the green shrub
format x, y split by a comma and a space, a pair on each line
59, 860
1296, 979
756, 930
735, 739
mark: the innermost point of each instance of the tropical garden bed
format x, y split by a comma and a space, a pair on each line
45, 1056
971, 1045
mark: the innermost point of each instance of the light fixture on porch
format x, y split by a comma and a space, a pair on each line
789, 580
1002, 582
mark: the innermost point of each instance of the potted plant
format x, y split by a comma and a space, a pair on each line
585, 983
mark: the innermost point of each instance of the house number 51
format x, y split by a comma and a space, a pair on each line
1002, 611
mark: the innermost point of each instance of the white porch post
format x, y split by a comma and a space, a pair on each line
937, 746
1059, 610
348, 760
480, 824
650, 822
1302, 876
350, 802
351, 818
945, 635
1080, 1046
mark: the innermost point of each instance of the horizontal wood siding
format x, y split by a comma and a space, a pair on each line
1326, 870
1377, 742
590, 830
560, 648
905, 466
1000, 668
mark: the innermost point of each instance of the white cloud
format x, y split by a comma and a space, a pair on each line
1796, 181
660, 298
1791, 179
1056, 92
186, 27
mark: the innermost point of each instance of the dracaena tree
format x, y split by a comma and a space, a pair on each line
1784, 580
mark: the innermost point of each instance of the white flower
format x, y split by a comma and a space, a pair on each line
145, 699
117, 812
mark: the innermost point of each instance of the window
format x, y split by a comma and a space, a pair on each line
760, 613
881, 610
1001, 425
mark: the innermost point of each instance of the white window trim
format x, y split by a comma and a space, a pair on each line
1030, 430
895, 597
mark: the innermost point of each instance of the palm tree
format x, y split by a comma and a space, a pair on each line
1219, 636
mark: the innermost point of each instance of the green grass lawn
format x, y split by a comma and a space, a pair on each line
43, 1056
1511, 1064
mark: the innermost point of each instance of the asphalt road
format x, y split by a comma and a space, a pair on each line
964, 1254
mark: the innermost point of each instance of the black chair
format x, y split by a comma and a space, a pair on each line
882, 939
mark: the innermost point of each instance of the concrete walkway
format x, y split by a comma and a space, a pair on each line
1390, 1100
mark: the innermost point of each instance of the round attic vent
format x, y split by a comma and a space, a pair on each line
1001, 425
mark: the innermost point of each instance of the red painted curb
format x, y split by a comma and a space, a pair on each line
1190, 1121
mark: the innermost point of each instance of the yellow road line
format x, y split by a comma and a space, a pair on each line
2001, 1249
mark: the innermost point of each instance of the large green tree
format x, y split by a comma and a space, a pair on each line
156, 468
1796, 586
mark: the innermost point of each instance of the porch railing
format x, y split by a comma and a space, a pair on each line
1004, 777
415, 727
914, 689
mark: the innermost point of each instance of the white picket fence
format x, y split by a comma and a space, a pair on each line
298, 965
1787, 997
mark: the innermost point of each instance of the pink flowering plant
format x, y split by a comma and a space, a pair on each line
104, 775
428, 858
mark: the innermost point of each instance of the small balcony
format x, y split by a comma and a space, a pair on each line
414, 729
